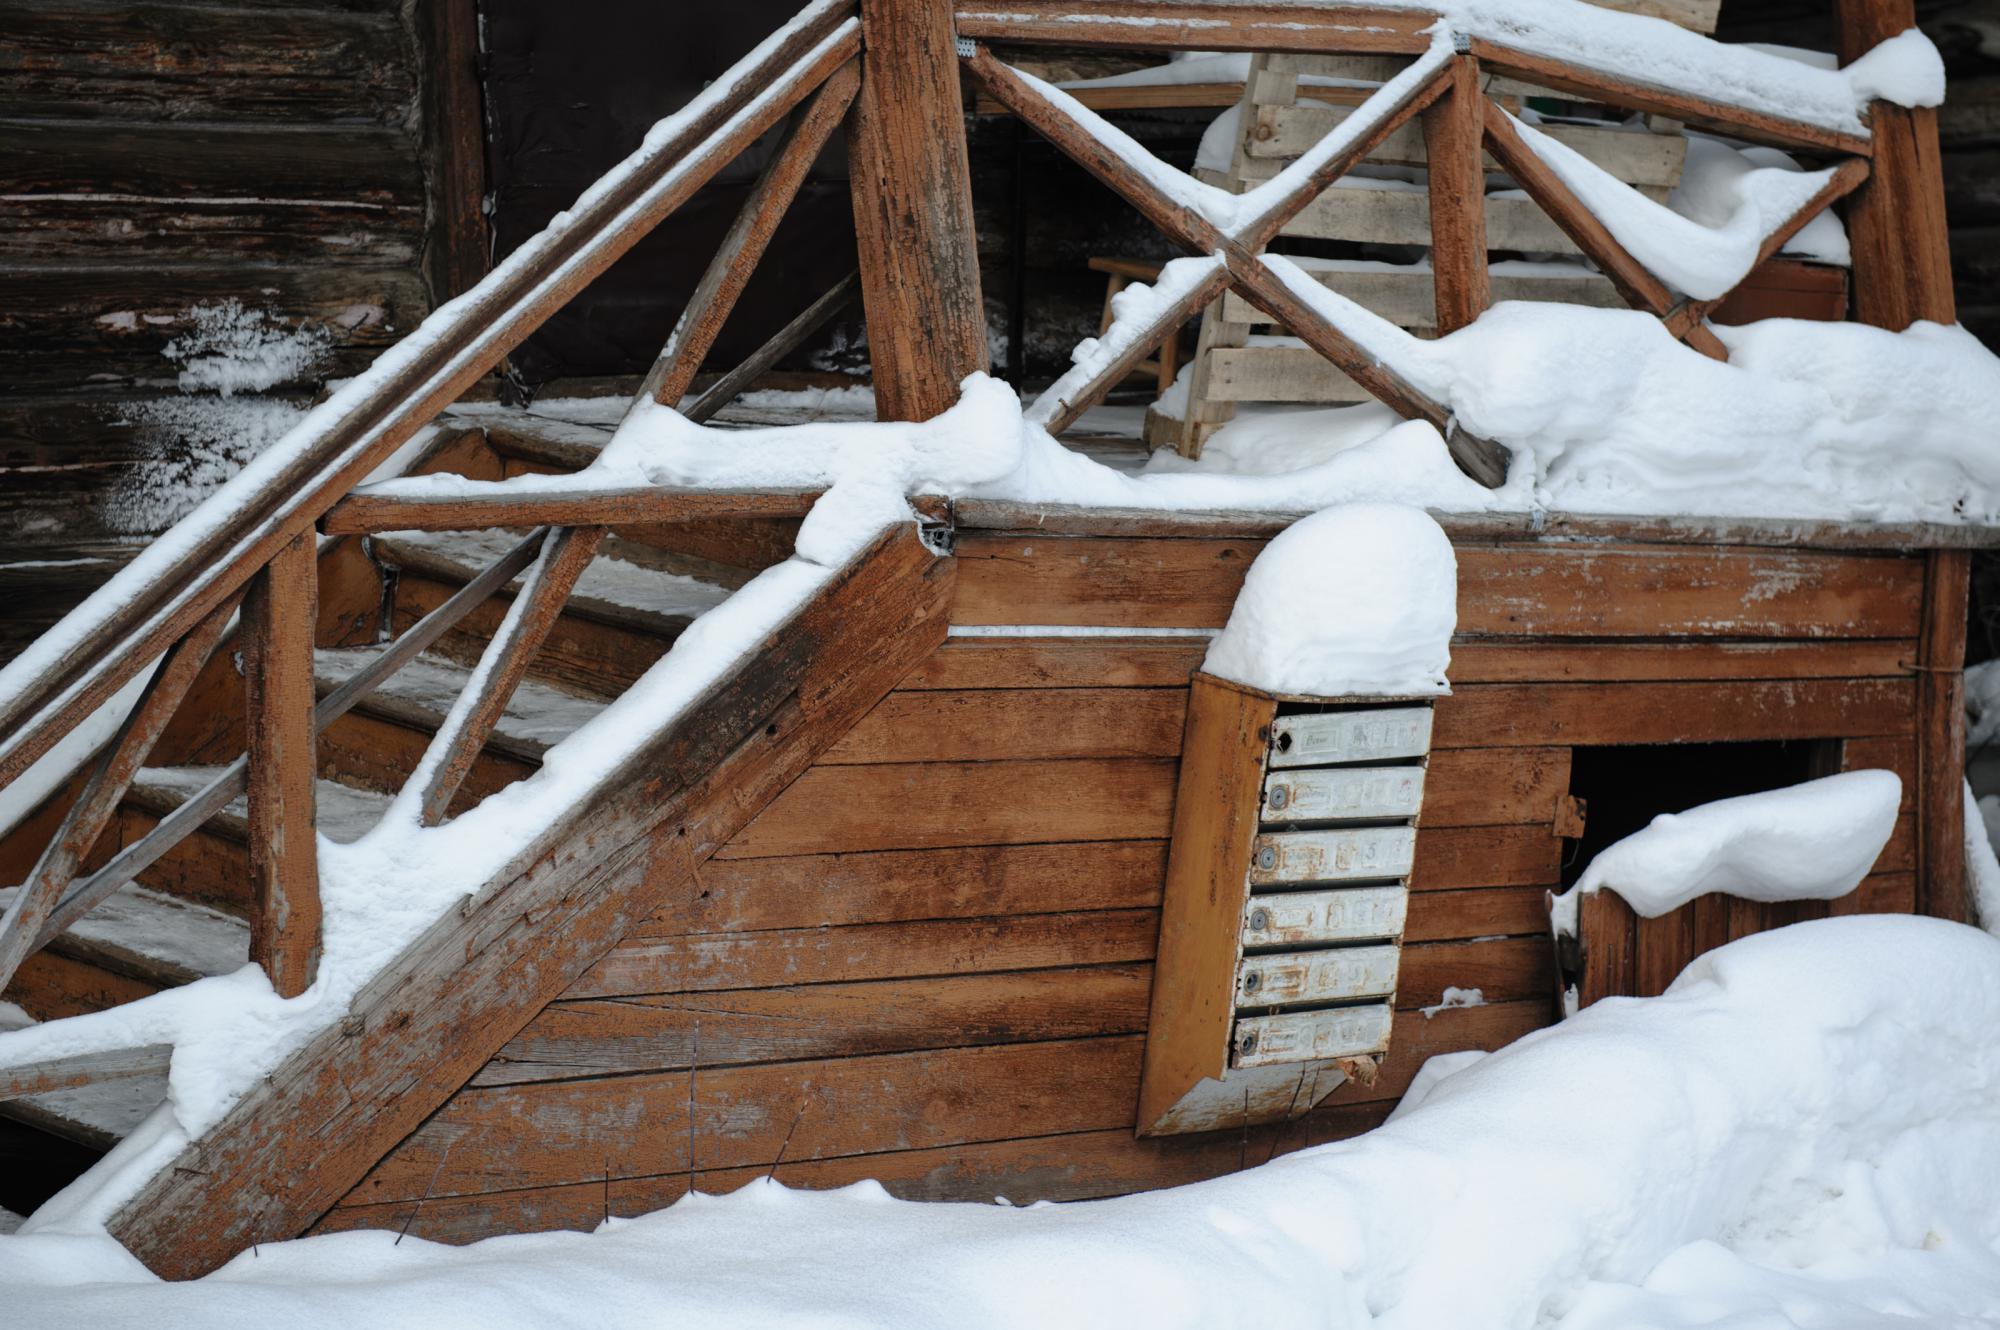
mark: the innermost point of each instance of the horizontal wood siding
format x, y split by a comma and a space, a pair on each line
157, 157
928, 961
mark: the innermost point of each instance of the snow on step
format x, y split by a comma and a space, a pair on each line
164, 938
98, 1115
344, 813
609, 581
537, 716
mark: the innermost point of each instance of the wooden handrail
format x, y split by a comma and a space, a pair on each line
139, 614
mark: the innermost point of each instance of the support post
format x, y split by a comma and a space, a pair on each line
1455, 153
279, 617
913, 210
1940, 801
1902, 248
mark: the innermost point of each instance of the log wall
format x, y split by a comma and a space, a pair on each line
928, 960
154, 158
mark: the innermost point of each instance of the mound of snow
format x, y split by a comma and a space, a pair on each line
1808, 1121
1814, 841
1360, 599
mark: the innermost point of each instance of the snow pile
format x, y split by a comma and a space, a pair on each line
1720, 184
1813, 841
1704, 259
197, 441
1353, 601
1809, 1119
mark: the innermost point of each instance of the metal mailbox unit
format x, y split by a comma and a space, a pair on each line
1287, 891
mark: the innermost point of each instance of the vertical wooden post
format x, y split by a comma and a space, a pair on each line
913, 210
1455, 151
1940, 800
456, 248
279, 615
1902, 248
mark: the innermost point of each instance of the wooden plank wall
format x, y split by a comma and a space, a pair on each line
159, 156
928, 960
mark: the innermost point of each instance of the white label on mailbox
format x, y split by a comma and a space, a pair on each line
1305, 1035
1316, 976
1300, 918
1343, 794
1332, 856
1350, 736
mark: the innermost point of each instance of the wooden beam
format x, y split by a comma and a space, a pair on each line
279, 614
1453, 149
1635, 283
36, 1078
1209, 25
22, 924
1215, 820
729, 270
458, 248
1941, 883
1071, 406
782, 343
566, 552
1902, 242
1616, 90
1482, 459
500, 505
912, 187
1847, 177
303, 1136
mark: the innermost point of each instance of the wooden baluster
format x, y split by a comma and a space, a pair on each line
1902, 274
1636, 284
565, 554
913, 210
1455, 151
22, 926
782, 343
729, 271
279, 617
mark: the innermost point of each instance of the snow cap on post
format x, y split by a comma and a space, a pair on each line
1359, 600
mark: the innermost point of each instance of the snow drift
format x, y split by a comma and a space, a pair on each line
1809, 842
1356, 600
1808, 1118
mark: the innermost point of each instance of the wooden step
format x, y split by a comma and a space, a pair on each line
1403, 294
624, 614
421, 693
98, 1116
212, 867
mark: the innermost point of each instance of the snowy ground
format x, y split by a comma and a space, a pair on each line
1805, 1131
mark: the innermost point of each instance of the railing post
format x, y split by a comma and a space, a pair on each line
1902, 274
1902, 249
1455, 156
279, 617
913, 210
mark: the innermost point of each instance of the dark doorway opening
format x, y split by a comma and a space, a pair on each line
1625, 787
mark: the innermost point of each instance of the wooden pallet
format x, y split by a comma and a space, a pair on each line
1288, 105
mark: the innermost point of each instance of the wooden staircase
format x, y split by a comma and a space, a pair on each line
187, 915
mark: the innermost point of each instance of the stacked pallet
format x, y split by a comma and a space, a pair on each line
1290, 102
